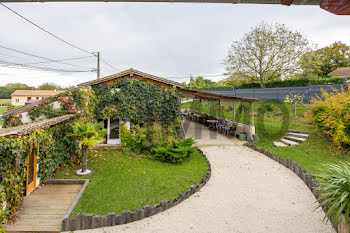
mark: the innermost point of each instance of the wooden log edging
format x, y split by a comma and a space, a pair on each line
309, 179
84, 221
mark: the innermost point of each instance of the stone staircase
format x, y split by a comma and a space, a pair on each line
294, 137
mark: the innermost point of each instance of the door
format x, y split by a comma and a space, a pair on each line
31, 171
113, 135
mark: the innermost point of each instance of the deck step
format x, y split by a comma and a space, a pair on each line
298, 135
279, 144
294, 139
297, 131
289, 142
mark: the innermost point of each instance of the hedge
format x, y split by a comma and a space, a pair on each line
301, 82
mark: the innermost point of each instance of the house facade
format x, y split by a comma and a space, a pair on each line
21, 97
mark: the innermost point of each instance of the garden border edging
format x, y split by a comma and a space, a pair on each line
307, 178
85, 221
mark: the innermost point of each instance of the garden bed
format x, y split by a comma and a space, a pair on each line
119, 182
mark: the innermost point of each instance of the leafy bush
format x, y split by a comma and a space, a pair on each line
177, 152
299, 82
334, 191
268, 107
331, 113
144, 138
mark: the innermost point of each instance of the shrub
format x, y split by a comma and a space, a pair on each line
177, 152
331, 113
144, 138
334, 191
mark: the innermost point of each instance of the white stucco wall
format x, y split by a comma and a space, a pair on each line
23, 99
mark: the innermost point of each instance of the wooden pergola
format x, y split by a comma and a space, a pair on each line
220, 98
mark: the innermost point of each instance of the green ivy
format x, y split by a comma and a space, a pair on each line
137, 101
52, 147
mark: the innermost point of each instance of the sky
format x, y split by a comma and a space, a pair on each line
171, 40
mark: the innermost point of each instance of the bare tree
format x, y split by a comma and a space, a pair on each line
268, 52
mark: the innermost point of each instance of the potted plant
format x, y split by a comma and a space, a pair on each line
88, 134
334, 193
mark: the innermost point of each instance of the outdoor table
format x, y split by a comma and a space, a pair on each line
212, 123
196, 116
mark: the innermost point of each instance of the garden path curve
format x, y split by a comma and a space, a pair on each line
247, 192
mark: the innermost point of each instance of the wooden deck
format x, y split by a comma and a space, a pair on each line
44, 209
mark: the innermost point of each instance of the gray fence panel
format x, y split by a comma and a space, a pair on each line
279, 94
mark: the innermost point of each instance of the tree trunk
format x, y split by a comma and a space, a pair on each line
84, 153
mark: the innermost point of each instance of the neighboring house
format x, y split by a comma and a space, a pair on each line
21, 97
341, 72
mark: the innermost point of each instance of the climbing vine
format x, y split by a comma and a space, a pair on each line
12, 120
52, 148
137, 101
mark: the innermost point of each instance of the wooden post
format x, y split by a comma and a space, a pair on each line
187, 104
220, 108
252, 111
208, 107
234, 111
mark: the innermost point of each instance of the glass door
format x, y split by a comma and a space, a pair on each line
31, 172
113, 136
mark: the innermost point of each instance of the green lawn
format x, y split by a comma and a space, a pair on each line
119, 182
316, 150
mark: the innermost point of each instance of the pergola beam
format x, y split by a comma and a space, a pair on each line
287, 2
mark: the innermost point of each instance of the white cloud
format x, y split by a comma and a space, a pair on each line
167, 39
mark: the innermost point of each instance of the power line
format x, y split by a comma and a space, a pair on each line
109, 65
33, 55
18, 65
68, 59
41, 28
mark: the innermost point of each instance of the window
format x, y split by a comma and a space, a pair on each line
37, 98
17, 100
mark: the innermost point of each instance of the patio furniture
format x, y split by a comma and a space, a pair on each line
212, 124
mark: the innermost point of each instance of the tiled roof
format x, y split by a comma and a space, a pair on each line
36, 93
341, 71
131, 72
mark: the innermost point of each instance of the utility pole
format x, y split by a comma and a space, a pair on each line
190, 82
98, 65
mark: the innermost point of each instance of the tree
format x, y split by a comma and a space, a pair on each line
8, 89
88, 134
201, 82
322, 61
267, 53
49, 86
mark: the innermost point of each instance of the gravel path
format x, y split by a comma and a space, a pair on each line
247, 192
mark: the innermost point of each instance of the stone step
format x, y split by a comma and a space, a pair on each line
289, 142
297, 131
298, 135
295, 139
279, 144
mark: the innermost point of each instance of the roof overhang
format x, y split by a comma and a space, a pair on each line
211, 96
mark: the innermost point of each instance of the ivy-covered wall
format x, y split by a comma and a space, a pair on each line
52, 147
137, 101
79, 101
130, 100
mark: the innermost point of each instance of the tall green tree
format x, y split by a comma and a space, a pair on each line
49, 86
88, 135
268, 52
322, 61
200, 82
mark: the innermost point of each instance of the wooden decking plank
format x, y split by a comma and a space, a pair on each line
45, 208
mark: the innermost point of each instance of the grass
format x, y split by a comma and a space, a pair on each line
119, 182
316, 150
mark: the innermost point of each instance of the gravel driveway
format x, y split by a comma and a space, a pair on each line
247, 192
